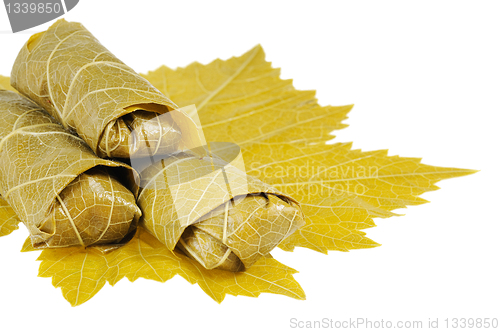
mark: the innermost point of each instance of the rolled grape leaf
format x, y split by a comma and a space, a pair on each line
61, 191
79, 82
213, 211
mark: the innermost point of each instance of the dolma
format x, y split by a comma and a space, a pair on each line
212, 211
61, 191
195, 203
68, 72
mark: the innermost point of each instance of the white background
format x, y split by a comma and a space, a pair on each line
424, 77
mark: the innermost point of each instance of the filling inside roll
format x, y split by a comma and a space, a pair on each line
140, 134
236, 234
93, 209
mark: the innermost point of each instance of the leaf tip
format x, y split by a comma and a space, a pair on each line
27, 246
257, 48
470, 171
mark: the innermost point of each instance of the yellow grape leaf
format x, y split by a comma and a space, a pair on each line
340, 190
243, 100
5, 83
27, 246
8, 219
81, 273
